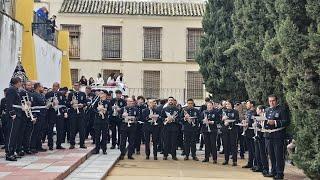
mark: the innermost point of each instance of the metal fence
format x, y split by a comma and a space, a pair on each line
44, 29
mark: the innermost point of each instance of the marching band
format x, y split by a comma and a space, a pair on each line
29, 116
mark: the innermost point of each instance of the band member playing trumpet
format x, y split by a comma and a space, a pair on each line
115, 120
249, 133
190, 123
139, 133
77, 102
170, 115
211, 117
128, 128
275, 126
151, 126
101, 123
230, 117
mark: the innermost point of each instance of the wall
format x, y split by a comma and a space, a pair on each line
10, 49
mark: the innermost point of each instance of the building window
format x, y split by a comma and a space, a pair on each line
74, 39
111, 42
194, 85
106, 73
193, 42
152, 43
151, 84
74, 75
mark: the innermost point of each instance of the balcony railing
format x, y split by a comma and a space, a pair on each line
44, 28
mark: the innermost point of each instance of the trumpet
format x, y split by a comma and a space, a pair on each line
26, 106
170, 118
102, 110
191, 120
75, 104
55, 104
244, 125
206, 122
153, 117
128, 119
115, 109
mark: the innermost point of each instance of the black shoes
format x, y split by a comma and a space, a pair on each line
95, 151
247, 166
234, 164
83, 147
214, 161
138, 153
42, 150
278, 177
60, 147
11, 158
130, 157
104, 152
155, 158
165, 158
195, 158
185, 158
175, 158
147, 157
205, 160
113, 147
121, 158
225, 163
50, 148
71, 147
21, 153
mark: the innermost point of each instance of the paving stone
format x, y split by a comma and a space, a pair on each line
90, 175
19, 163
37, 166
3, 174
56, 169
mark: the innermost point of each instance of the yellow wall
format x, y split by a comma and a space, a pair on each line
24, 14
63, 44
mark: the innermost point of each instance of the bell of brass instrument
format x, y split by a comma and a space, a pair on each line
127, 119
191, 120
114, 108
75, 104
245, 126
170, 118
153, 117
55, 105
206, 122
26, 106
101, 109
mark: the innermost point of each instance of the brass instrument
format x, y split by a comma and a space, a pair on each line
75, 103
170, 118
128, 119
191, 120
102, 110
26, 107
153, 117
55, 104
227, 121
206, 122
115, 108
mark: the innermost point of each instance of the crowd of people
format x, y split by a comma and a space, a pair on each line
112, 80
29, 115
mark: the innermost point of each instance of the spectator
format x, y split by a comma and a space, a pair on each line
111, 80
91, 81
100, 81
53, 23
83, 81
43, 13
120, 78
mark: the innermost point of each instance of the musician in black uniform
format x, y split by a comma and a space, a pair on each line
170, 116
277, 121
161, 142
261, 157
230, 118
115, 120
190, 121
211, 117
101, 123
139, 133
249, 133
55, 97
128, 129
90, 113
151, 127
39, 126
3, 118
77, 102
13, 117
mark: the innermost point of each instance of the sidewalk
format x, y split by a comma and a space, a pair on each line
56, 164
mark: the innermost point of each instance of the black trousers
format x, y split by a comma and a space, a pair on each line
127, 134
90, 116
251, 150
60, 130
154, 133
66, 128
275, 149
230, 143
12, 136
170, 142
77, 124
52, 119
23, 131
180, 138
190, 141
210, 141
138, 137
115, 123
28, 135
101, 129
261, 154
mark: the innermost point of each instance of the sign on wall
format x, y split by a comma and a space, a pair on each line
48, 60
10, 49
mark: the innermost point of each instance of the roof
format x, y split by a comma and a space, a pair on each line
146, 8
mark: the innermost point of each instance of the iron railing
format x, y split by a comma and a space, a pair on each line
44, 28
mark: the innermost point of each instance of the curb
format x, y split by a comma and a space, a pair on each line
108, 171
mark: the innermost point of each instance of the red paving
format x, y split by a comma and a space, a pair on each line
56, 164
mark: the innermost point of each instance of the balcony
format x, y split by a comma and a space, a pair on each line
44, 29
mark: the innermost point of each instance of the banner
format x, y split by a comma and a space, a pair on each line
10, 49
48, 60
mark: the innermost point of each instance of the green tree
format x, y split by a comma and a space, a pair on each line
250, 25
293, 48
216, 67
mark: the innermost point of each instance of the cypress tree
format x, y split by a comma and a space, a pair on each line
216, 67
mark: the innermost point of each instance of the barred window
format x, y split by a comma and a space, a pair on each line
151, 84
152, 43
74, 75
111, 42
74, 39
194, 85
106, 73
193, 42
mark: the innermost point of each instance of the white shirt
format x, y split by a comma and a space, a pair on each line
100, 81
119, 81
110, 80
